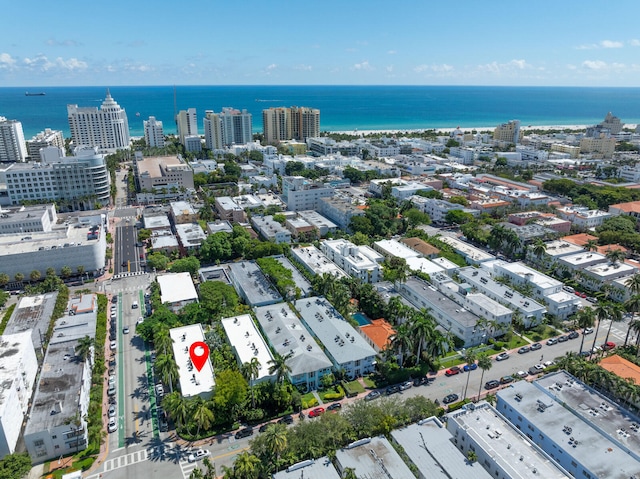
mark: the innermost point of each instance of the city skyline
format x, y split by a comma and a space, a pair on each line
330, 43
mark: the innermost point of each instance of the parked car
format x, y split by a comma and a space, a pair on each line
608, 345
537, 369
536, 346
159, 390
288, 419
112, 390
591, 299
246, 432
334, 407
522, 374
372, 395
140, 320
548, 363
198, 454
587, 331
585, 354
573, 335
316, 412
564, 338
506, 379
113, 425
405, 385
420, 381
112, 379
552, 341
392, 390
125, 330
112, 410
502, 356
114, 299
452, 371
264, 427
491, 384
470, 367
524, 349
450, 398
113, 345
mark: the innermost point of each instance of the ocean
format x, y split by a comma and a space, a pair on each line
342, 108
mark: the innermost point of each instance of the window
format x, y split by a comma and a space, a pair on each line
38, 443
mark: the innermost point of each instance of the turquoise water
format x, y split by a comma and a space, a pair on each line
361, 319
341, 107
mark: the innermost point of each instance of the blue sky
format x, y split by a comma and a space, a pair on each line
347, 42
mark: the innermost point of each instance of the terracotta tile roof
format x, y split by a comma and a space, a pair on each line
420, 246
379, 331
621, 368
579, 239
611, 247
631, 207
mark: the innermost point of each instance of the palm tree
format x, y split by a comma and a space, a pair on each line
632, 305
246, 466
601, 312
19, 277
83, 348
35, 275
167, 369
615, 256
65, 271
402, 342
202, 415
50, 271
162, 340
615, 315
177, 407
591, 245
485, 363
275, 438
422, 327
279, 366
538, 249
4, 279
585, 318
250, 371
469, 358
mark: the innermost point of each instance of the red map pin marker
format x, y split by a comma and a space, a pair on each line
199, 353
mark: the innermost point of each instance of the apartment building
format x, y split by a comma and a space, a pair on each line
299, 193
316, 262
153, 133
292, 123
191, 385
360, 262
44, 139
160, 174
12, 145
227, 128
270, 229
508, 132
106, 128
340, 211
247, 343
187, 123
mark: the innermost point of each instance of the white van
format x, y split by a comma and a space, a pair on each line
134, 305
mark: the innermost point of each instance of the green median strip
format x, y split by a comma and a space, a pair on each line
120, 355
152, 392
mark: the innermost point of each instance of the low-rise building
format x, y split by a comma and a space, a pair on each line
303, 285
583, 218
372, 457
270, 229
164, 175
340, 211
421, 246
33, 314
247, 343
252, 285
190, 236
471, 254
288, 336
192, 382
321, 468
17, 377
396, 249
378, 333
177, 290
343, 345
182, 212
300, 193
361, 262
229, 210
322, 224
583, 431
316, 262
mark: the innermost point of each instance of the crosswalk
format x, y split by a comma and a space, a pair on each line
122, 461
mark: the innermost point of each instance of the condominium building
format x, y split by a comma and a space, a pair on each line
293, 123
44, 139
247, 343
192, 382
611, 123
339, 210
270, 229
300, 193
12, 145
17, 376
227, 128
508, 132
187, 123
153, 133
75, 182
252, 285
106, 128
316, 262
177, 290
603, 145
163, 173
360, 262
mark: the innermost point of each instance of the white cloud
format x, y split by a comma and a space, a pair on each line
421, 68
634, 42
611, 44
7, 61
71, 64
273, 66
42, 63
499, 68
365, 66
594, 65
520, 64
442, 68
302, 67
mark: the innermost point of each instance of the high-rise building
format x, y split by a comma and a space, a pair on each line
12, 145
106, 128
74, 182
508, 132
44, 139
153, 133
227, 128
187, 123
293, 123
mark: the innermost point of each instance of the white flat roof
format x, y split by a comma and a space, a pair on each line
192, 382
423, 265
176, 287
248, 343
395, 248
466, 249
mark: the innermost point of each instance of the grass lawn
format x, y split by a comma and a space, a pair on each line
454, 361
516, 342
369, 382
324, 392
309, 399
354, 387
535, 336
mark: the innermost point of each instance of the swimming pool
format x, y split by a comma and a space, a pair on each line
361, 319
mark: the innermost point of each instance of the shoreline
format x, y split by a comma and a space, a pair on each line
465, 129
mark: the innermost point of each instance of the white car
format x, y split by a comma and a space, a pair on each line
112, 379
502, 357
112, 410
140, 320
198, 454
113, 425
113, 345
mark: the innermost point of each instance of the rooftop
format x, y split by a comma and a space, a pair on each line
251, 280
316, 261
429, 446
621, 368
379, 332
506, 445
155, 222
32, 314
301, 282
395, 248
192, 381
61, 236
320, 468
78, 321
420, 246
466, 249
373, 458
562, 248
340, 339
287, 334
190, 234
423, 265
12, 348
248, 343
152, 166
531, 275
176, 287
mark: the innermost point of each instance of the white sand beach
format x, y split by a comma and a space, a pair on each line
465, 129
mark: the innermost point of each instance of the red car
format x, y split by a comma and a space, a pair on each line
452, 371
319, 411
608, 345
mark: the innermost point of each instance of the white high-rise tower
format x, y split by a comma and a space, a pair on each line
153, 133
12, 145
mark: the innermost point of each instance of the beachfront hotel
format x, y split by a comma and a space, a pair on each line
106, 128
187, 123
153, 133
508, 132
229, 127
293, 123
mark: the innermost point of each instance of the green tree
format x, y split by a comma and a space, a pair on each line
157, 261
15, 466
415, 217
585, 318
167, 369
177, 407
190, 264
19, 277
250, 371
231, 389
66, 271
457, 217
4, 279
218, 298
469, 358
35, 275
83, 348
202, 414
484, 363
361, 224
278, 366
246, 466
